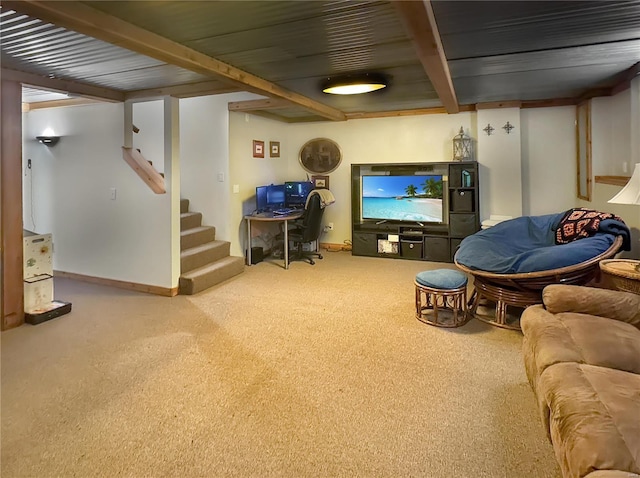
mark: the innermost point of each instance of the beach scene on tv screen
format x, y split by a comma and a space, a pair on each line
402, 198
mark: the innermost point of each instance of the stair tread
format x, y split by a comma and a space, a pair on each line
200, 271
194, 230
203, 247
188, 214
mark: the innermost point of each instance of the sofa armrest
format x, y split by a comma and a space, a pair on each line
611, 304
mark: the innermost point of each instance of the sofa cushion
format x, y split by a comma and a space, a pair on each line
568, 337
581, 338
594, 418
612, 304
611, 474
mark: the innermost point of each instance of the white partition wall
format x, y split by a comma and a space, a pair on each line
548, 160
499, 155
70, 191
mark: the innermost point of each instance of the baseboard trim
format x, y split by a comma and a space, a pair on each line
150, 289
334, 247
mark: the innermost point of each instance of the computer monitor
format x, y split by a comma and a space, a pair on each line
275, 196
261, 198
296, 193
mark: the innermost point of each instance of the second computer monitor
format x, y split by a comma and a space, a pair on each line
270, 197
275, 196
296, 193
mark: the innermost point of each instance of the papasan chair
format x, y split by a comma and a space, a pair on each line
514, 260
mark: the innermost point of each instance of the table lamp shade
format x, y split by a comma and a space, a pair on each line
630, 193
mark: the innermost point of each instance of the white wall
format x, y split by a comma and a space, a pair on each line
94, 235
548, 160
148, 117
615, 140
426, 138
500, 168
204, 153
247, 172
529, 171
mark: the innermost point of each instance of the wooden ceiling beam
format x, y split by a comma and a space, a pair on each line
36, 105
498, 104
89, 21
421, 26
418, 111
626, 77
187, 90
262, 104
65, 86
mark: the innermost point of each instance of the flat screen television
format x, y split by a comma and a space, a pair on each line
416, 198
296, 193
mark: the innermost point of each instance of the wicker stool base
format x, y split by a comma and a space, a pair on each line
441, 307
503, 298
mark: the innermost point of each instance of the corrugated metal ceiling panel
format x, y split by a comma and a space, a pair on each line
473, 28
622, 54
187, 21
35, 47
533, 85
32, 95
296, 44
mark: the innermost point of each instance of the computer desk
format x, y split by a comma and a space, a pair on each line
270, 217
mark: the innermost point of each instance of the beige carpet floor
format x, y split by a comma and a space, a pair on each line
318, 371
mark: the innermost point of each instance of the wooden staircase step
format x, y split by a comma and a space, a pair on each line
207, 276
184, 205
190, 220
199, 256
196, 236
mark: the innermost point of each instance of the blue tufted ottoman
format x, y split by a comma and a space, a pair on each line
441, 290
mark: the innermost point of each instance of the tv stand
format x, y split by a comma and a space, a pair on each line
418, 240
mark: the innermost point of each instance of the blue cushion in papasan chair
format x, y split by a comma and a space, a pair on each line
527, 244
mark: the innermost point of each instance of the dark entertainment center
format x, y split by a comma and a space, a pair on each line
418, 211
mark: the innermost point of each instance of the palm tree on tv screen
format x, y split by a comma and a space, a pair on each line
432, 188
411, 190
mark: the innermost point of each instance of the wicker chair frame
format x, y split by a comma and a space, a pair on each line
525, 289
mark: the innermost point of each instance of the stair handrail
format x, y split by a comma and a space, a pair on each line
144, 169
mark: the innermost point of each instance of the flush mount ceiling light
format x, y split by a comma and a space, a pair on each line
354, 84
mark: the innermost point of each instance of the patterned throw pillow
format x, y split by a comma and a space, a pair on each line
580, 222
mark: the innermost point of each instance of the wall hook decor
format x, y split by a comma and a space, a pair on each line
489, 129
508, 127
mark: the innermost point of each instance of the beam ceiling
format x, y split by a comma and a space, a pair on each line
89, 21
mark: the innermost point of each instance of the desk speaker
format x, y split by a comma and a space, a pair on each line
257, 255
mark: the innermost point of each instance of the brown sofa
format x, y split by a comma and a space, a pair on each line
582, 357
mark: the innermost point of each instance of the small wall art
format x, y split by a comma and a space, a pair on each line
320, 182
258, 149
274, 149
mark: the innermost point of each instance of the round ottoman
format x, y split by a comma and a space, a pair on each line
441, 298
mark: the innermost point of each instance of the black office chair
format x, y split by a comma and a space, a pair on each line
307, 230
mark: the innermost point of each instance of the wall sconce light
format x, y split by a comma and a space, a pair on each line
48, 140
354, 84
462, 146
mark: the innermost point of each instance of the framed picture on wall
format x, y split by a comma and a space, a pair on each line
320, 182
320, 156
274, 149
258, 149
